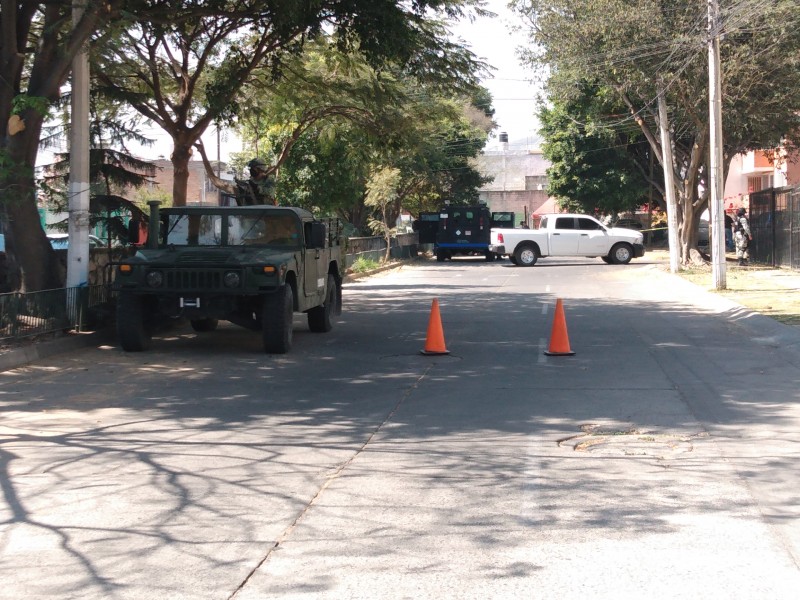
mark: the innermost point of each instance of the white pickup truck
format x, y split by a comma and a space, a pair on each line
567, 235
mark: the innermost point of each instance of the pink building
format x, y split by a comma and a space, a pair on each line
759, 170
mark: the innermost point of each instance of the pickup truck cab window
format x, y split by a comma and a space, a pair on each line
565, 223
588, 225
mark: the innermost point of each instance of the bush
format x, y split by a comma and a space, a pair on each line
362, 265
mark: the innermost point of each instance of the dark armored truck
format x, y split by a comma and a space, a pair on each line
460, 230
251, 265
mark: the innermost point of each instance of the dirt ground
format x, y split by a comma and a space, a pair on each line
771, 292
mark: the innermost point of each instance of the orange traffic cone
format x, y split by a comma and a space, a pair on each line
434, 344
559, 340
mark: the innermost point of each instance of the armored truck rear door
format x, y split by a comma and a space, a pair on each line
426, 227
467, 226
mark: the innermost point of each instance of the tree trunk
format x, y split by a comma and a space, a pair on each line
181, 155
26, 241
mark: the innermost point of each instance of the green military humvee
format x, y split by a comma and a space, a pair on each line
251, 265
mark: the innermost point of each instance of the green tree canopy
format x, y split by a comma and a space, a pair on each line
180, 63
333, 118
649, 48
591, 169
37, 45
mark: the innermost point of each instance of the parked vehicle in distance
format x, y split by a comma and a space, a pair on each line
568, 235
60, 241
254, 266
460, 230
628, 224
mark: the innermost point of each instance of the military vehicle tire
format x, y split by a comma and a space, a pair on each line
276, 321
132, 330
319, 317
203, 325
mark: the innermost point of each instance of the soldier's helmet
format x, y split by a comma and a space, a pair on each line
257, 164
740, 212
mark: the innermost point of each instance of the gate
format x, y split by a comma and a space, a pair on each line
775, 225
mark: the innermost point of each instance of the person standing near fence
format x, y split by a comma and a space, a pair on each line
742, 236
729, 245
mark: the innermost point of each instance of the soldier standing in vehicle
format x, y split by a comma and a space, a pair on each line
742, 236
259, 189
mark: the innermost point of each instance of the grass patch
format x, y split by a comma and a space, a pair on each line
363, 265
771, 292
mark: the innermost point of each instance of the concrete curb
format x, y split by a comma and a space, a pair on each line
18, 357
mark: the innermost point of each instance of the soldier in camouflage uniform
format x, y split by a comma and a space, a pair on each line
742, 236
259, 189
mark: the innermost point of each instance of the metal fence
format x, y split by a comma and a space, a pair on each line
775, 225
49, 311
373, 248
377, 255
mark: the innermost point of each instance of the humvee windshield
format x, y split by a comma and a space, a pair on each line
258, 229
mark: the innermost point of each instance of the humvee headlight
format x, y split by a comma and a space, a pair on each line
231, 279
270, 270
155, 279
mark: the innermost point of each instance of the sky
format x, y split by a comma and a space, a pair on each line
494, 41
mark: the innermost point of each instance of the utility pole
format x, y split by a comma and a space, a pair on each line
669, 180
78, 224
715, 161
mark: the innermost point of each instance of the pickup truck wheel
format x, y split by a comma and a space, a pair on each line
319, 317
203, 325
525, 255
621, 254
133, 333
276, 318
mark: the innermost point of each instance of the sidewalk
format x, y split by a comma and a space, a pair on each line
768, 291
28, 351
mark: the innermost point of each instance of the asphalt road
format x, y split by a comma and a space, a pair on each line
661, 461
